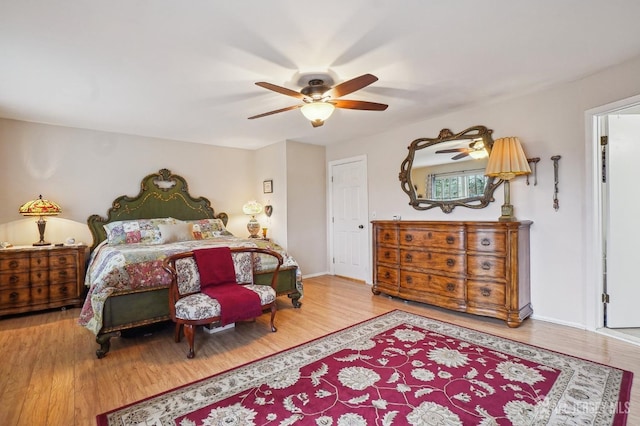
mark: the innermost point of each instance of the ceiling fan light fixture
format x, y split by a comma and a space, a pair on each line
476, 155
317, 111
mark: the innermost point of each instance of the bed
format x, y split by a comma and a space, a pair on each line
126, 285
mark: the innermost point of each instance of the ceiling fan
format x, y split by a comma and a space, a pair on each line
319, 99
476, 150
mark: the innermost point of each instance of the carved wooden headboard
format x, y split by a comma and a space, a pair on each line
162, 194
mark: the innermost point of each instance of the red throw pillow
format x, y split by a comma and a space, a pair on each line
215, 266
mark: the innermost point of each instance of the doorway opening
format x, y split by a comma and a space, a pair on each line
614, 145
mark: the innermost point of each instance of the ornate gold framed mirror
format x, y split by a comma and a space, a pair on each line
448, 171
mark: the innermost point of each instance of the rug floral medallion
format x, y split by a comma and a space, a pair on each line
397, 369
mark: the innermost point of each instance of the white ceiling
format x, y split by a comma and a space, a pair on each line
185, 70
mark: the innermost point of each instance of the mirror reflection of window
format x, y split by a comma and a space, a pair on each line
456, 185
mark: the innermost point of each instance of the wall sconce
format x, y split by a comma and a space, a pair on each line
506, 161
40, 207
252, 208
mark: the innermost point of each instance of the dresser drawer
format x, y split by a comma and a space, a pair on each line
387, 235
40, 294
445, 262
483, 293
14, 262
387, 255
487, 267
59, 276
12, 280
62, 260
39, 260
39, 277
431, 283
387, 276
15, 297
489, 241
450, 240
62, 291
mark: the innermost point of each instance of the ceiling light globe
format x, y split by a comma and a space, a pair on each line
317, 111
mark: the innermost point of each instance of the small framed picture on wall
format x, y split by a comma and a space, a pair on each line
267, 186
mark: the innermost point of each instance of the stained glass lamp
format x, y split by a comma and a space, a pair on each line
41, 208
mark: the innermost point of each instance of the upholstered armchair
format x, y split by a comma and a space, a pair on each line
217, 285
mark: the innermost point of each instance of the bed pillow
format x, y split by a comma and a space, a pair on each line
136, 231
175, 232
205, 229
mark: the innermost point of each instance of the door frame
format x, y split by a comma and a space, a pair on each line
594, 223
362, 159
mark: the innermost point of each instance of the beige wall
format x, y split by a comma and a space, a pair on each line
306, 206
550, 122
85, 170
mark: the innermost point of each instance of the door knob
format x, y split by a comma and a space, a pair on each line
361, 226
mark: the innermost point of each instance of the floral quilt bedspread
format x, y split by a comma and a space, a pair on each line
137, 266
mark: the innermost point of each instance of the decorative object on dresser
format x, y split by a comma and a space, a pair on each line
40, 207
431, 179
252, 208
480, 268
33, 279
507, 160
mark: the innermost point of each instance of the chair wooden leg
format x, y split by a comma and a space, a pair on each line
274, 308
177, 332
189, 331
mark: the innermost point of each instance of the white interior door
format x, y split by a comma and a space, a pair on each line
622, 230
349, 213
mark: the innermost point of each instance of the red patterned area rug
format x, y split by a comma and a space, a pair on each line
397, 369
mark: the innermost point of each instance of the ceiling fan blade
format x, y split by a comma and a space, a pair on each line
280, 89
351, 86
276, 111
369, 106
459, 156
445, 151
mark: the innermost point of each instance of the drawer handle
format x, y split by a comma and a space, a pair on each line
486, 266
387, 274
14, 264
485, 242
408, 257
485, 292
386, 255
63, 274
14, 279
450, 239
386, 236
408, 238
409, 279
39, 274
14, 296
62, 260
451, 287
64, 290
450, 262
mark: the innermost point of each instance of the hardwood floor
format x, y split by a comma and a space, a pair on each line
51, 376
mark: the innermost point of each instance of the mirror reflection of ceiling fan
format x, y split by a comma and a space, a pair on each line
319, 99
476, 150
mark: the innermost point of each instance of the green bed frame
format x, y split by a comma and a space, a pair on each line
162, 194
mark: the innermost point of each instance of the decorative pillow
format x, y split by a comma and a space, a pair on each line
136, 231
174, 232
204, 229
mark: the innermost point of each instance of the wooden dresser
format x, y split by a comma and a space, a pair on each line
35, 278
476, 267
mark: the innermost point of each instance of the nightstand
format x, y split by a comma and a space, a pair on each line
36, 278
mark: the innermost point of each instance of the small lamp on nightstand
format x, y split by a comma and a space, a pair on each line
40, 207
252, 208
506, 161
